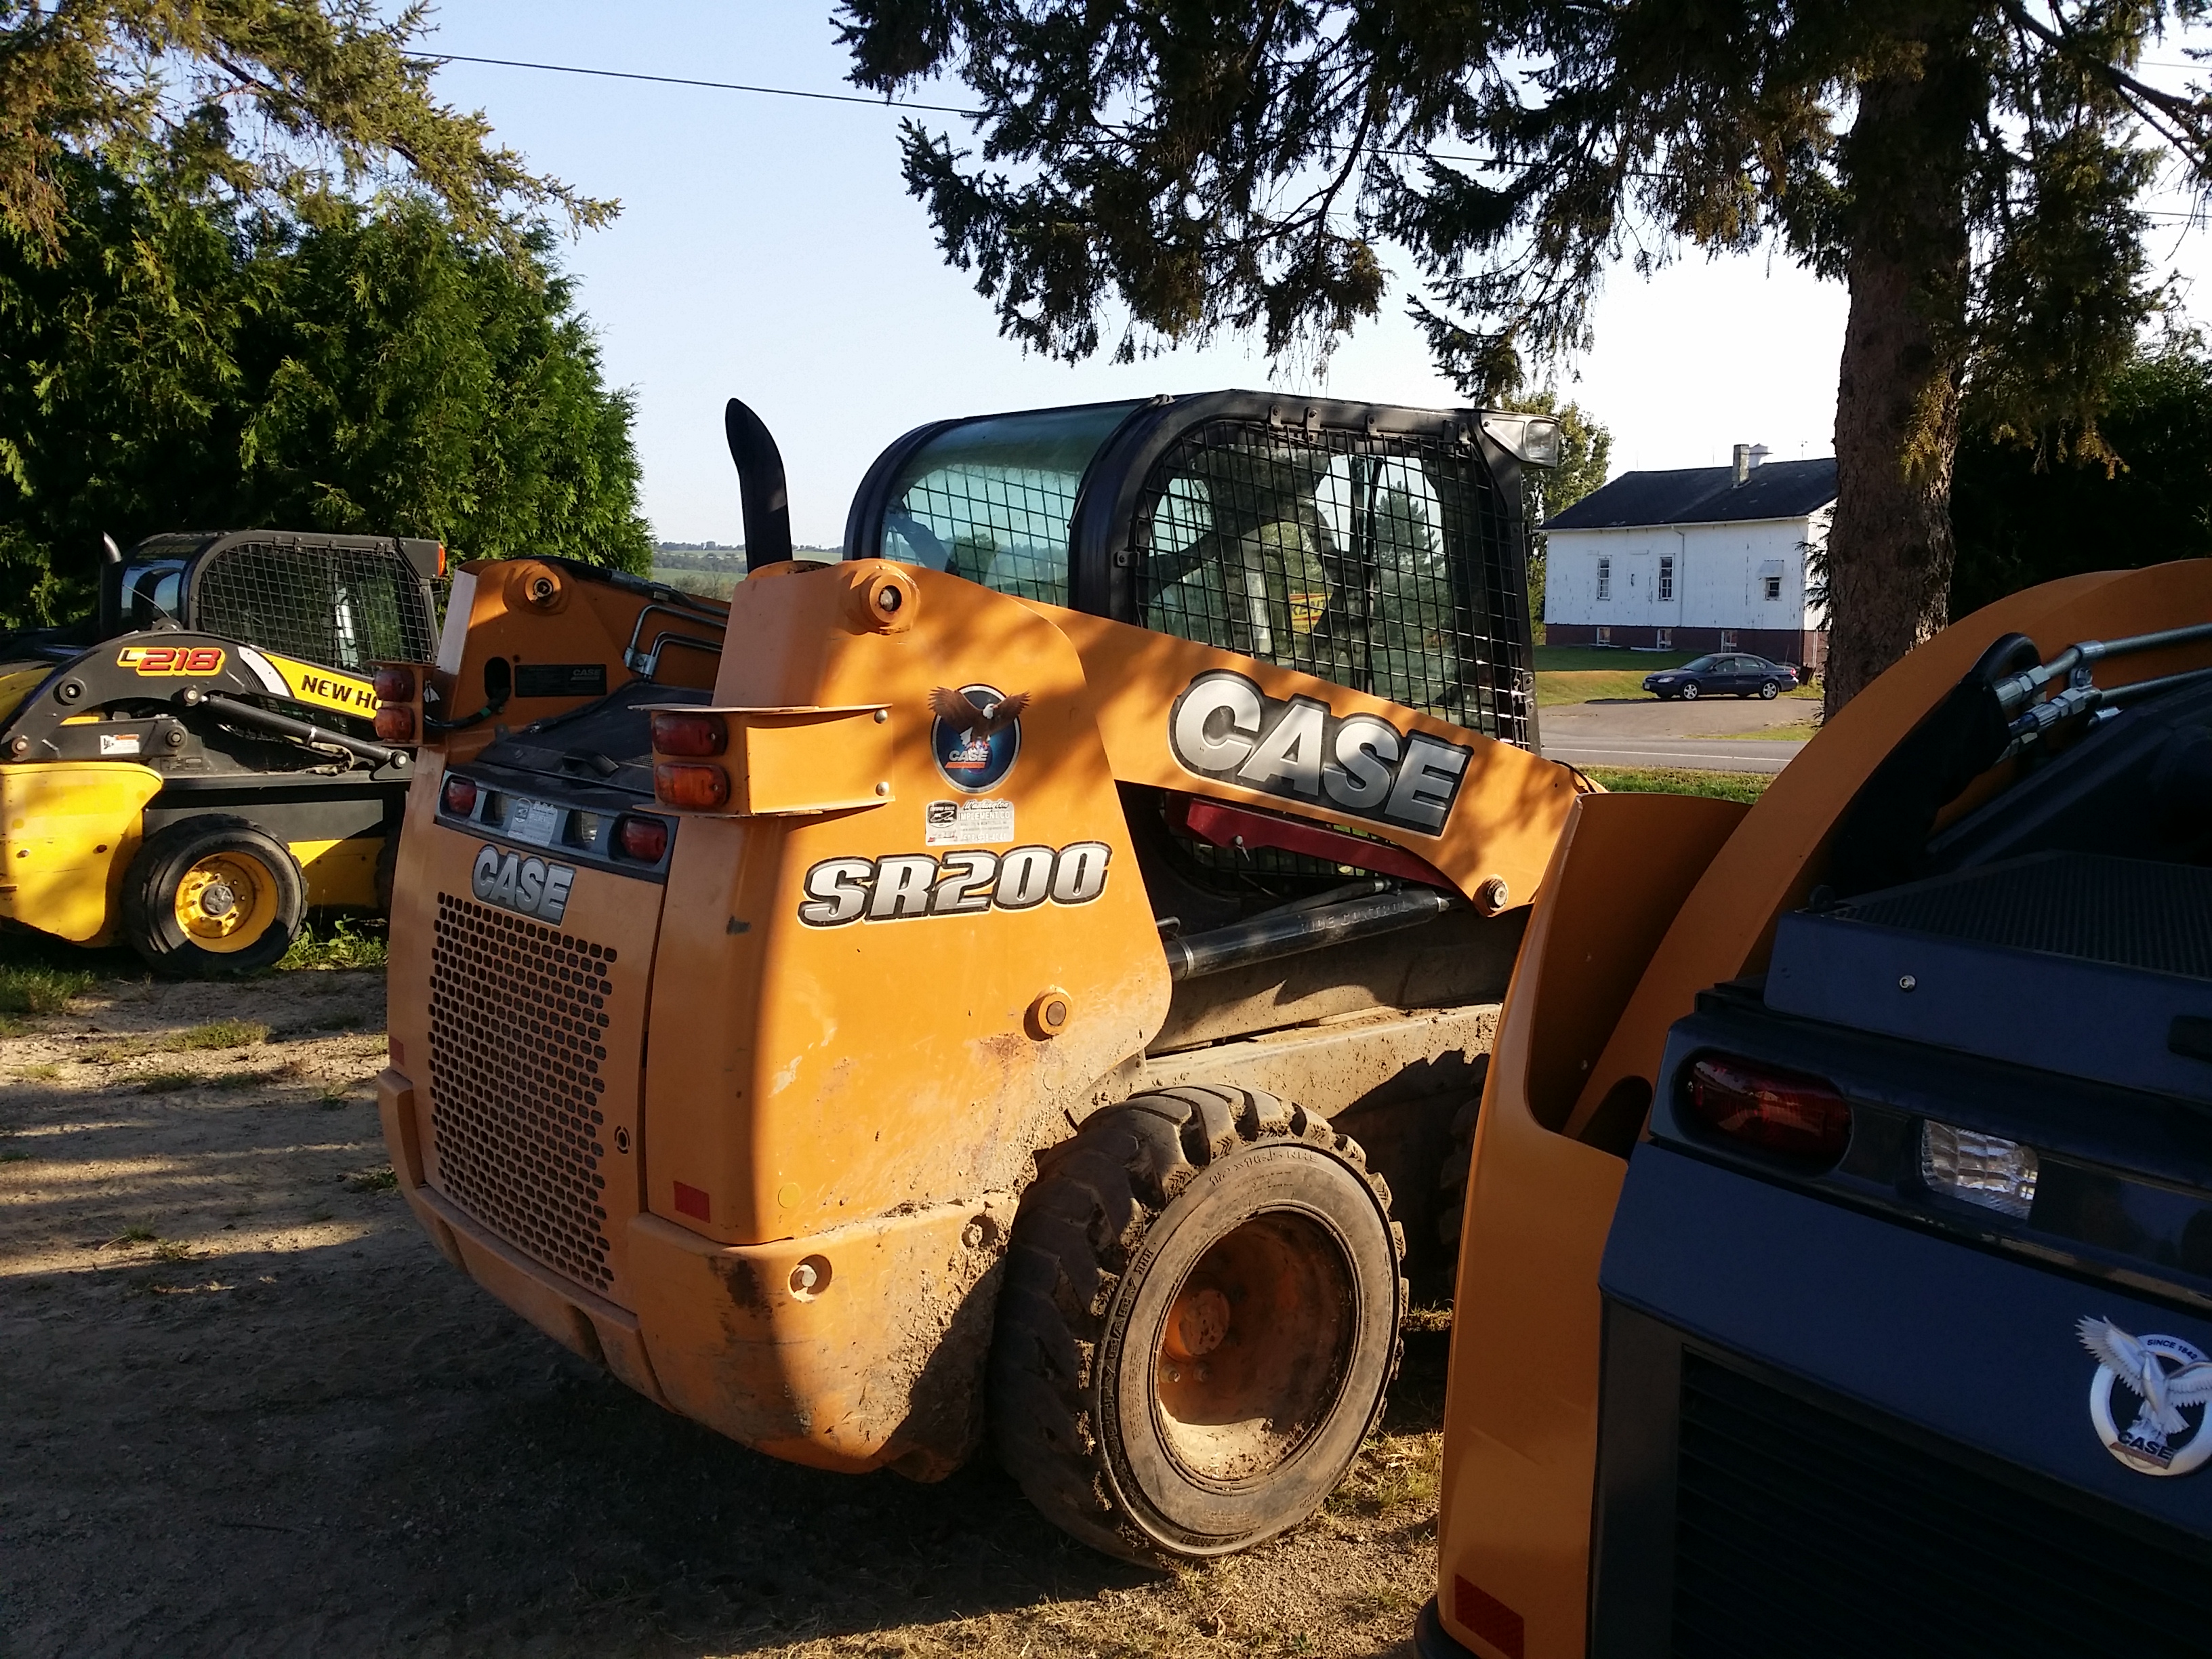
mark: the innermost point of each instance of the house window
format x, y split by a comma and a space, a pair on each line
1605, 579
1773, 587
1666, 577
1770, 579
1604, 634
1727, 639
1663, 637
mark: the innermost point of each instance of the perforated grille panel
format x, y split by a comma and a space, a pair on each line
518, 1050
345, 607
1386, 563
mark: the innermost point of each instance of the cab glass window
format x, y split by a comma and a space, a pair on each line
1379, 563
153, 593
990, 499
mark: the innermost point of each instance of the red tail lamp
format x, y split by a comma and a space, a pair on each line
394, 684
1774, 1110
643, 839
700, 788
460, 796
395, 723
689, 734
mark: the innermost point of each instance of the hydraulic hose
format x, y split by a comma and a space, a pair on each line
1288, 932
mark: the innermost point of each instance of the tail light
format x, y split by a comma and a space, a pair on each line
700, 788
643, 839
395, 724
394, 684
688, 734
460, 796
1774, 1110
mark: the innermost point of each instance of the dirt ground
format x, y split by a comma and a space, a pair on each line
245, 1408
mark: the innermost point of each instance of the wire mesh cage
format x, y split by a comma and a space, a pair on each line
342, 607
1384, 563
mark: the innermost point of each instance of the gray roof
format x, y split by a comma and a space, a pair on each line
1703, 495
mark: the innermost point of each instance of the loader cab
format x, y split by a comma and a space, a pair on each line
1378, 548
343, 601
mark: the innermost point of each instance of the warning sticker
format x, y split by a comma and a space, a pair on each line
119, 743
968, 822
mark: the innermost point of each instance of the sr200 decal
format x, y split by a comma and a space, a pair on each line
906, 887
1225, 727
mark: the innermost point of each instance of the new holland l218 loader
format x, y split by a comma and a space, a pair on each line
195, 765
1014, 984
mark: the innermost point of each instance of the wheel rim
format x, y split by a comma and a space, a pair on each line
1689, 694
226, 902
1254, 1349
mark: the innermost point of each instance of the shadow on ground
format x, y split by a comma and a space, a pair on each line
322, 1439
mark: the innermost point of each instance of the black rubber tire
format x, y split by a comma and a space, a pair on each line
1122, 1221
150, 897
1689, 693
1769, 690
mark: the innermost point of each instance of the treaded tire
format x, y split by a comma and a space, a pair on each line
150, 921
1098, 1407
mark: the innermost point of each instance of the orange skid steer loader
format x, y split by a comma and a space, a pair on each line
991, 988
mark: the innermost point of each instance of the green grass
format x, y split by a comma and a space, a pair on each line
1720, 786
38, 987
1569, 659
350, 943
1587, 685
221, 1034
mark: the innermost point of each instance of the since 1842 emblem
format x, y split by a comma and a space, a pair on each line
2169, 1383
976, 734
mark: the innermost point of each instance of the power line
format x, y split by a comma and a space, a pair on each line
685, 80
955, 109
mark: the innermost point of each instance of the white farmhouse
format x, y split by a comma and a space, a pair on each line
1705, 558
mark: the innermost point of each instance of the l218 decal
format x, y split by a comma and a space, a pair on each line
909, 886
1225, 727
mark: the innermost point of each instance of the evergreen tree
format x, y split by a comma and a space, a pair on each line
2024, 518
179, 362
1969, 169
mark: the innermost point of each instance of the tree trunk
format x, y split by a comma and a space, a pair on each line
1897, 396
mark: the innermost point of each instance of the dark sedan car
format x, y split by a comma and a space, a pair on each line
1725, 673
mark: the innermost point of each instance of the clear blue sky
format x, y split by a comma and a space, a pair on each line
767, 249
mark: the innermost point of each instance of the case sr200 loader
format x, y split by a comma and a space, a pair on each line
992, 988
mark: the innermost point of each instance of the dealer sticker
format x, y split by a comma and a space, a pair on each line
967, 822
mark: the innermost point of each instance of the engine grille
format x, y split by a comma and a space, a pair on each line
518, 1039
1801, 1531
2132, 912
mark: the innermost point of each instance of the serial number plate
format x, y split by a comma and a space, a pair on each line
538, 822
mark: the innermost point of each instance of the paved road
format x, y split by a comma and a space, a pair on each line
1691, 754
1644, 731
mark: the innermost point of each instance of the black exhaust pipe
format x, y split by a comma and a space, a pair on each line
760, 487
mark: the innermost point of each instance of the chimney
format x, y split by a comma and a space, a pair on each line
1742, 462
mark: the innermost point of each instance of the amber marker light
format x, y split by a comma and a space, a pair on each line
395, 723
394, 683
697, 788
689, 734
